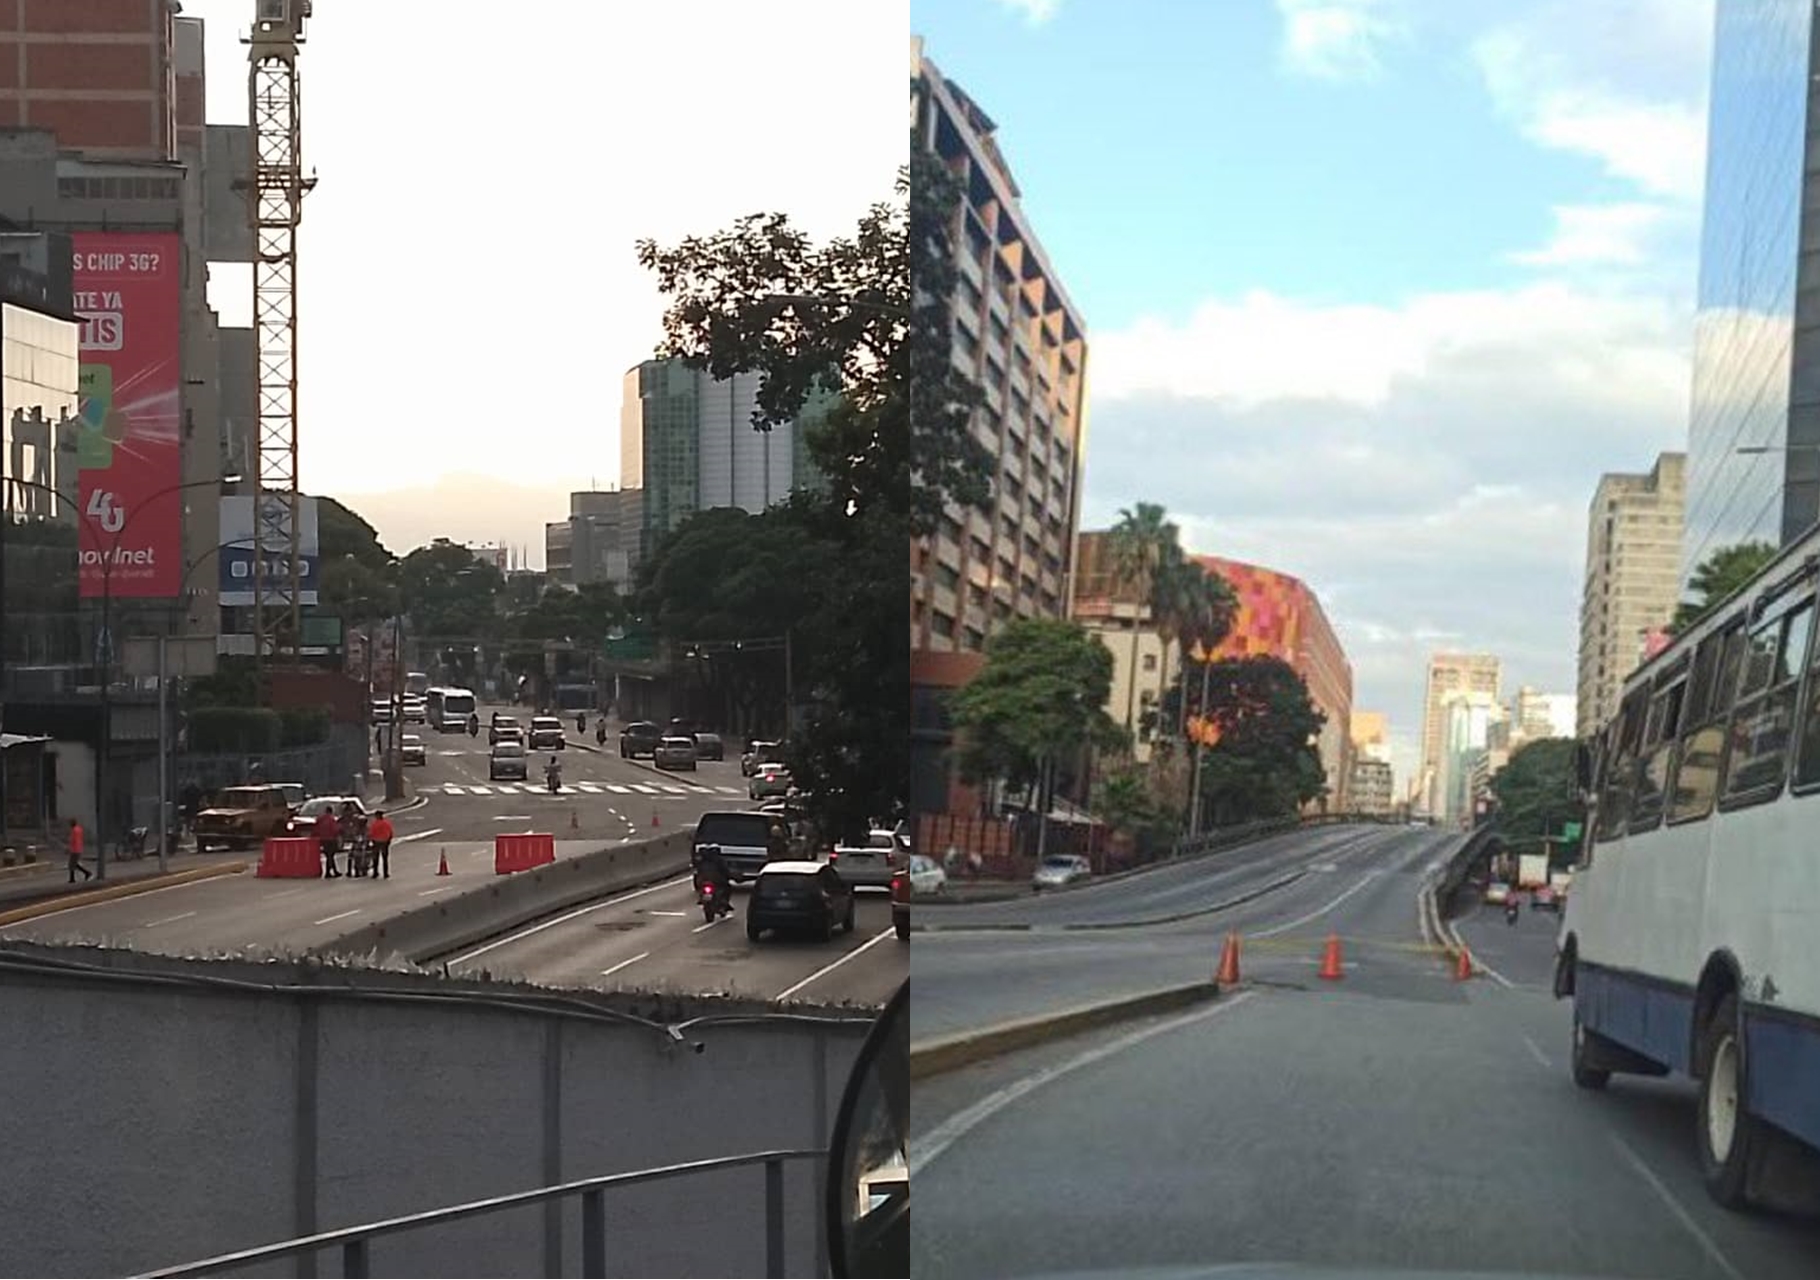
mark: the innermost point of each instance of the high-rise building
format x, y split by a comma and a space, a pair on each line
601, 541
1468, 717
1542, 715
1021, 339
1373, 788
687, 442
98, 74
1756, 342
1633, 549
1448, 673
1370, 734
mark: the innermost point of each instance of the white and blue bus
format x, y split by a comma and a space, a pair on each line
448, 709
1691, 939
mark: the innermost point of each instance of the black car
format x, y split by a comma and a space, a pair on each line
640, 738
806, 896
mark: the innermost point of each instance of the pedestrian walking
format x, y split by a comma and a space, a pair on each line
379, 841
76, 840
328, 836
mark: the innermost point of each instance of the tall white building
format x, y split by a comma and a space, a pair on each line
1448, 674
1468, 718
1633, 567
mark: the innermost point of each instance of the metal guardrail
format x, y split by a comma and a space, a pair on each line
355, 1242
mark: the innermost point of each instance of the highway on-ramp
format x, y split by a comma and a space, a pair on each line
1396, 1117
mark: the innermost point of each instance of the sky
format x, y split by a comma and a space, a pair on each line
468, 296
1375, 290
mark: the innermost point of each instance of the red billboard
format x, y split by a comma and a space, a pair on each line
129, 294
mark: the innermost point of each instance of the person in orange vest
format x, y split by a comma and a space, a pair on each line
328, 839
379, 840
75, 844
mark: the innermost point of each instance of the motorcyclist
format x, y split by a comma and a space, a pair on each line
473, 724
552, 773
600, 731
711, 868
1511, 907
581, 722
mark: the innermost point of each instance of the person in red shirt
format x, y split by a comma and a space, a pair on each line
379, 841
328, 839
76, 844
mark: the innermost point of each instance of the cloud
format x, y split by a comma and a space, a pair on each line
1337, 39
1600, 235
1036, 12
1622, 82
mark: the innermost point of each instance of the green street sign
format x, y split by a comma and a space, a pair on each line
1570, 831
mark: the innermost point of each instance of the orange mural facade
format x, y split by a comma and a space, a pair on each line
1280, 616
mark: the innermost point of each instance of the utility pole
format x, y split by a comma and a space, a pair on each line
164, 755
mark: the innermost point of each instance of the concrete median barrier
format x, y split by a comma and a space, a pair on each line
504, 903
950, 1053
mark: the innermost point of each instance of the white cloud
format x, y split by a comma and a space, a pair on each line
1036, 12
1622, 82
1337, 39
1600, 235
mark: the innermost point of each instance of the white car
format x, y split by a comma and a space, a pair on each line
926, 876
1059, 870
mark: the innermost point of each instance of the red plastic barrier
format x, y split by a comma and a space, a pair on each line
522, 851
290, 858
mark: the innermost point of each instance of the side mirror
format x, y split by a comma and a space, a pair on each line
1583, 768
868, 1175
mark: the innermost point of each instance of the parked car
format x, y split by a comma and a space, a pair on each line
507, 761
759, 751
295, 793
640, 738
810, 896
708, 746
503, 726
871, 864
382, 711
745, 840
769, 780
674, 753
242, 817
1059, 870
1543, 898
304, 820
901, 889
546, 734
927, 877
411, 750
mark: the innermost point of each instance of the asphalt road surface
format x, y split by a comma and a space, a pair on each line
1395, 1117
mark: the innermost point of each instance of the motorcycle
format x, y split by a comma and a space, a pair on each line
1511, 908
714, 901
600, 733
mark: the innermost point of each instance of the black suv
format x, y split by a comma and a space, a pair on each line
639, 738
806, 896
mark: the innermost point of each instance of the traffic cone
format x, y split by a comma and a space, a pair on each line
654, 821
1462, 969
1330, 959
442, 866
1228, 972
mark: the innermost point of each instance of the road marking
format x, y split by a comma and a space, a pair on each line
153, 924
617, 789
1685, 1218
666, 913
479, 791
716, 920
642, 789
623, 963
731, 791
830, 968
1317, 912
592, 788
342, 916
418, 835
1535, 1051
511, 817
441, 888
582, 911
930, 1147
105, 902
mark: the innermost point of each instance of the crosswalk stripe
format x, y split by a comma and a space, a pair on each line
731, 791
592, 789
617, 789
676, 791
642, 789
479, 791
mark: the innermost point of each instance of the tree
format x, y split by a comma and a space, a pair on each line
1718, 577
1260, 758
1142, 541
1535, 789
1123, 801
341, 532
1043, 690
449, 591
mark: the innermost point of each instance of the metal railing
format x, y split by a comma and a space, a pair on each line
355, 1242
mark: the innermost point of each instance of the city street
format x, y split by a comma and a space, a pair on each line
1395, 1117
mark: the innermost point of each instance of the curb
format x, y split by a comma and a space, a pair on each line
20, 868
950, 1053
143, 884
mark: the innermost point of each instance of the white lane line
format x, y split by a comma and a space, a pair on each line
441, 888
562, 919
716, 920
929, 1148
511, 817
642, 789
730, 791
417, 835
153, 924
666, 913
1535, 1051
830, 968
340, 916
1682, 1216
1317, 912
623, 963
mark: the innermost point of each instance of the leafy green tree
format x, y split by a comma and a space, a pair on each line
450, 592
1042, 691
1535, 789
1142, 543
1123, 801
342, 532
1718, 577
1264, 762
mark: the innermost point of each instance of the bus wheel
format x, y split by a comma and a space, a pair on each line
1586, 1075
1727, 1134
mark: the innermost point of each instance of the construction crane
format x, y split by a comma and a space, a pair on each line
276, 190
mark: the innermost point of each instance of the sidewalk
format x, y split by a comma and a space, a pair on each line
50, 874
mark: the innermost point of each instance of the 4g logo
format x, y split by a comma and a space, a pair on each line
106, 510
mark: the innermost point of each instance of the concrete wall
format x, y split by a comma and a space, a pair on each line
171, 1122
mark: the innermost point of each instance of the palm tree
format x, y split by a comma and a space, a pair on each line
1174, 592
1212, 608
1140, 542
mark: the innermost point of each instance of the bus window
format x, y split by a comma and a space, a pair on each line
1760, 729
1695, 784
1807, 761
1659, 744
1621, 773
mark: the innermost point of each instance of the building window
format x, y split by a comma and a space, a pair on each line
1150, 662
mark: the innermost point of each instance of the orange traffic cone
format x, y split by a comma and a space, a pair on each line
654, 821
1330, 959
1462, 969
442, 866
1228, 972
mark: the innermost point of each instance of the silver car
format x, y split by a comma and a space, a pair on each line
1059, 870
871, 864
507, 761
675, 753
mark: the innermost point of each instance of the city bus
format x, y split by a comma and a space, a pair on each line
1691, 940
448, 709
